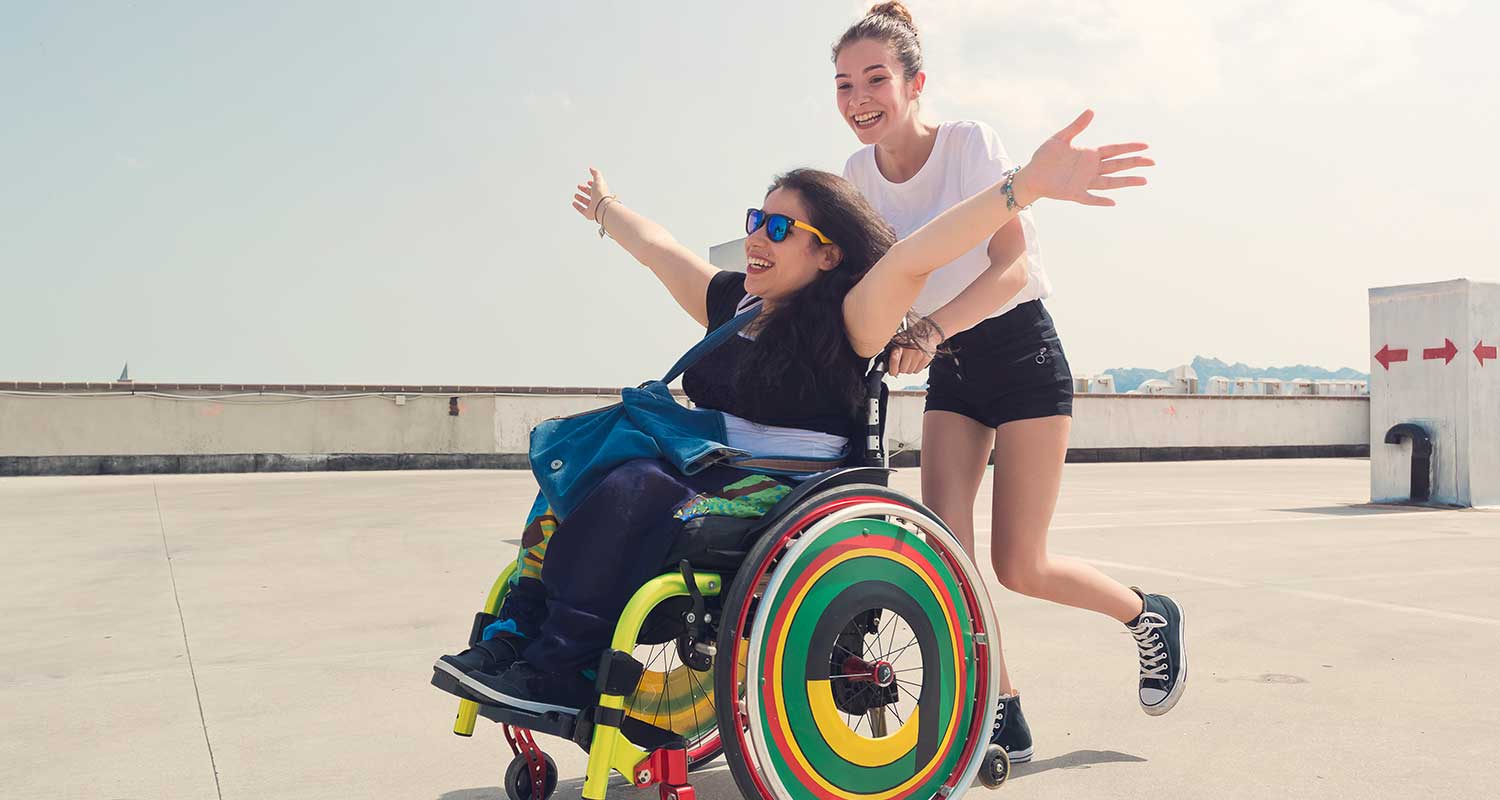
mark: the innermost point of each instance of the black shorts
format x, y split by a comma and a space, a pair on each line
1004, 369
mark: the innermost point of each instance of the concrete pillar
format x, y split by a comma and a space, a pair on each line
1434, 372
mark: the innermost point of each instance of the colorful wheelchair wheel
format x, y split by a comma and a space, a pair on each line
674, 696
868, 668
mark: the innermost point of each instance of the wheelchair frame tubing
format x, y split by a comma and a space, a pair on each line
610, 750
468, 710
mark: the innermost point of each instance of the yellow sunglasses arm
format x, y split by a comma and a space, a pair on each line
814, 231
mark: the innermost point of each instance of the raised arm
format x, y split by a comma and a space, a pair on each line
679, 269
1002, 280
1060, 170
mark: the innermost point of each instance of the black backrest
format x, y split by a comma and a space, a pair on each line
867, 440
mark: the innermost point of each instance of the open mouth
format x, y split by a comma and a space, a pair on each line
755, 265
868, 119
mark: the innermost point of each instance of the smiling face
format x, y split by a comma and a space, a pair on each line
873, 96
776, 270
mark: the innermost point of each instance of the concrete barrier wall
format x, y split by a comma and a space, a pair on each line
198, 421
154, 425
1143, 427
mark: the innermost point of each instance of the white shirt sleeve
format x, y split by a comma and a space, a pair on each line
852, 170
984, 160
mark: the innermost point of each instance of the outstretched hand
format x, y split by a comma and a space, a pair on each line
1062, 170
586, 200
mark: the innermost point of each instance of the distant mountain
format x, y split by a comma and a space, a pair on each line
1130, 378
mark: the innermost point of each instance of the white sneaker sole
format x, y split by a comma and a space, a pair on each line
443, 666
1020, 756
1179, 685
447, 677
500, 698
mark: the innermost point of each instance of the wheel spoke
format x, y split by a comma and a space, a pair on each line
694, 705
897, 654
886, 648
710, 695
660, 651
660, 696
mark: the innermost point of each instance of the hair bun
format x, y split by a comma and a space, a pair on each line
894, 9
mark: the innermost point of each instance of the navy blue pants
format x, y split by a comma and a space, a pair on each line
609, 547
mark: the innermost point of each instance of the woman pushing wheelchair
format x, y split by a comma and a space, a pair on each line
827, 287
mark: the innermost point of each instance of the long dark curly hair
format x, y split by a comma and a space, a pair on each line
798, 340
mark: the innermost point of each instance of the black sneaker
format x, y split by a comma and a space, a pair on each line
1011, 731
528, 688
494, 657
1158, 636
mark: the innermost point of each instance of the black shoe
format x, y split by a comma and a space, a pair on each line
528, 688
1011, 731
1158, 636
494, 657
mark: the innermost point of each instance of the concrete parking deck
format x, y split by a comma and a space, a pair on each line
269, 637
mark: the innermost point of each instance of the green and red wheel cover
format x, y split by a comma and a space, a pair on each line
804, 743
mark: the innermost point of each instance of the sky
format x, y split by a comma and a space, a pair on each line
379, 192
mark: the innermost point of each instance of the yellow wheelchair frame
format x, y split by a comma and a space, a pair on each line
610, 750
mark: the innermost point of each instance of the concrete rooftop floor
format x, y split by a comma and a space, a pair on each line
270, 636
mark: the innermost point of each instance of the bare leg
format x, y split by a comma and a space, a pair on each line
1029, 457
959, 448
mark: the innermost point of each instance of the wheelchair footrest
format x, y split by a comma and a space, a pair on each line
552, 723
580, 729
648, 737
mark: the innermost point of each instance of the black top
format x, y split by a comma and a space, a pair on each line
711, 382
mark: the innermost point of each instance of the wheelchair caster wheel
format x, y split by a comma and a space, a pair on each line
518, 783
995, 768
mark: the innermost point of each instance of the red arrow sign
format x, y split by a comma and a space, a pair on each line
1481, 352
1387, 356
1446, 352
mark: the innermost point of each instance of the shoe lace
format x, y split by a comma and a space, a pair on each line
1000, 716
1152, 649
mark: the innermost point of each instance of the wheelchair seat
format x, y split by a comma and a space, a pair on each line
721, 543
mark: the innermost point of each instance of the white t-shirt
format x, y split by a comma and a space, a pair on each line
966, 159
772, 441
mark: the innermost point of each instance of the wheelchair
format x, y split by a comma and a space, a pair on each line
839, 647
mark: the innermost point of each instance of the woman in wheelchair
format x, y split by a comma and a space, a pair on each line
830, 286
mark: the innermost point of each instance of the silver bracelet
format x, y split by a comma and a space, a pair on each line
1009, 188
599, 212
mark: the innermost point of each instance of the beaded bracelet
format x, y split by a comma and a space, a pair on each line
1009, 188
942, 336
